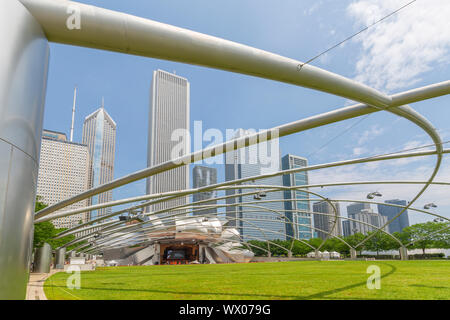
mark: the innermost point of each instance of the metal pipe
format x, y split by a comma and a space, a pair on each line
115, 31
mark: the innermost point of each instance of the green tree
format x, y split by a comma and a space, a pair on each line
379, 242
300, 248
315, 242
332, 244
44, 232
427, 235
256, 245
354, 240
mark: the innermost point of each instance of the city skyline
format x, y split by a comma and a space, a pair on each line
351, 91
230, 94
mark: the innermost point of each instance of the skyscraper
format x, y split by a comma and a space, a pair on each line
63, 173
99, 134
254, 223
355, 208
202, 177
390, 212
168, 131
368, 217
346, 228
327, 222
302, 227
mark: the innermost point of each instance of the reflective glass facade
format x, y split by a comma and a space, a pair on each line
255, 223
301, 218
99, 134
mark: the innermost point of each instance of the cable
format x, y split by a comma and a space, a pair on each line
300, 66
340, 134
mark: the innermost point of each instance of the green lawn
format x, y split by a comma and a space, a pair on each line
259, 281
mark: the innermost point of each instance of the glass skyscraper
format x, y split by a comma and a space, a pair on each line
301, 217
202, 177
99, 134
390, 212
254, 223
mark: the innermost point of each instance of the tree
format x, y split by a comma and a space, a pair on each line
355, 239
379, 242
300, 248
332, 244
38, 206
44, 232
315, 242
427, 235
256, 245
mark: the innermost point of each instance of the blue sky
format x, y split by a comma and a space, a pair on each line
408, 50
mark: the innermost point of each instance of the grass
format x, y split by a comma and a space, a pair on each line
259, 281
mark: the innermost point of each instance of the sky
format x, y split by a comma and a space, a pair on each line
407, 50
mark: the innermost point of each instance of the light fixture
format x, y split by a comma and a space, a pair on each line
374, 194
429, 205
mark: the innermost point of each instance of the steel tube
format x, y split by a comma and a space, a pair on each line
23, 76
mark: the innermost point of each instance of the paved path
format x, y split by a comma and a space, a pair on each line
35, 288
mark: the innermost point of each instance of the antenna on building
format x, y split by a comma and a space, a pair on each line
73, 113
103, 102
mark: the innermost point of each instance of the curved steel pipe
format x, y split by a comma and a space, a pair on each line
115, 31
283, 130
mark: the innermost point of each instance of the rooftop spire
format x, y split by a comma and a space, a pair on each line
73, 113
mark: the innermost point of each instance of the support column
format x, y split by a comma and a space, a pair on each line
317, 254
403, 253
23, 78
353, 254
60, 258
43, 259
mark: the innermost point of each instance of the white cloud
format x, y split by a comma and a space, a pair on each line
398, 50
313, 8
370, 134
358, 151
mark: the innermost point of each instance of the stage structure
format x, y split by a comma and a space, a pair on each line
26, 28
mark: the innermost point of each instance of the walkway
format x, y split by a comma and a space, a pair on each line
35, 288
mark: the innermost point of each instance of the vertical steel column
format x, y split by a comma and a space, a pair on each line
24, 58
43, 259
60, 258
403, 253
353, 254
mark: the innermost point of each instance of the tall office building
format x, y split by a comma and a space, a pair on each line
390, 212
356, 207
168, 130
367, 216
302, 218
63, 173
99, 134
254, 223
346, 228
202, 177
327, 223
